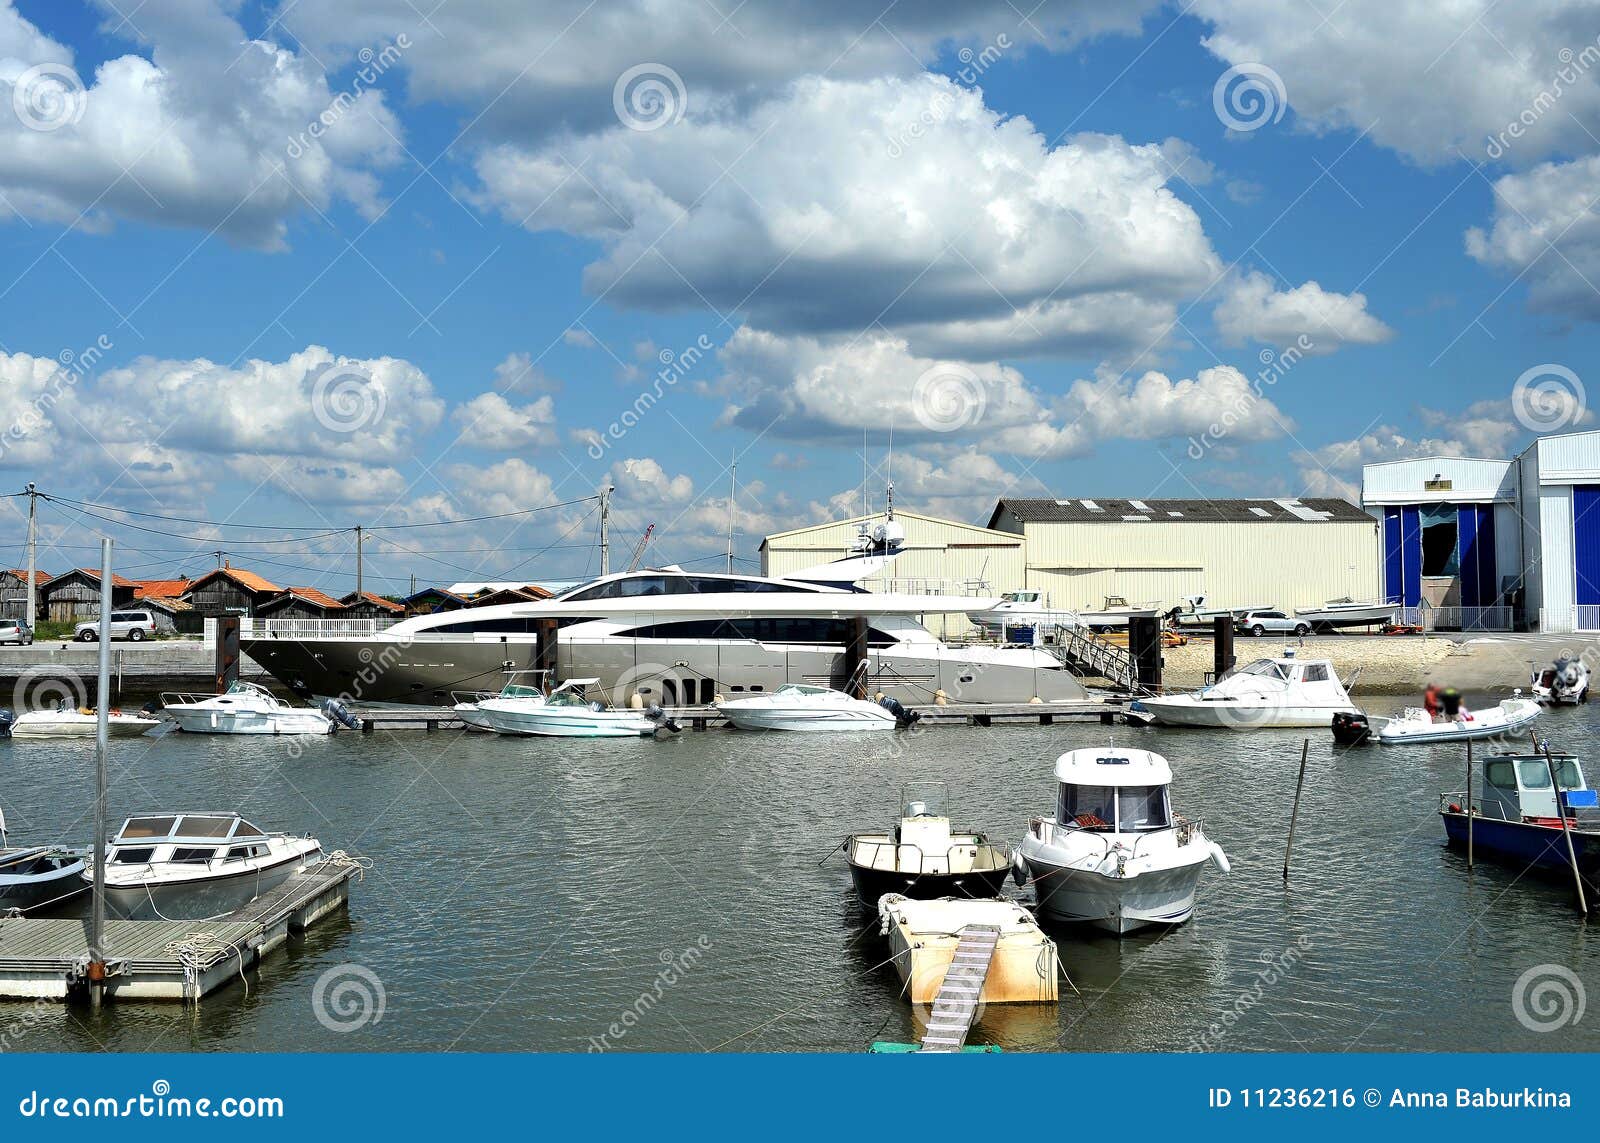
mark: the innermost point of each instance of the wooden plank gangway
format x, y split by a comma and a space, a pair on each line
956, 1006
47, 958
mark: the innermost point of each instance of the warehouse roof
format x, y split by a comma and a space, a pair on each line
1284, 510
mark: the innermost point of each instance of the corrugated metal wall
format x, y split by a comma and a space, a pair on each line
1282, 564
1555, 533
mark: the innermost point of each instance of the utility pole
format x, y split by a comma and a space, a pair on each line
33, 556
360, 570
733, 492
605, 528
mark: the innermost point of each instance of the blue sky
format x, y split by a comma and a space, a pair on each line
1026, 244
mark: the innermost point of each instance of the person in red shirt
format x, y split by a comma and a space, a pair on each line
1430, 700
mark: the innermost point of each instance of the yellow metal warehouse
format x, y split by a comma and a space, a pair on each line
1281, 553
940, 557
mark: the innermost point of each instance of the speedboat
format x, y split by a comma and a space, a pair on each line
246, 708
1565, 683
922, 857
196, 866
1347, 613
65, 722
1516, 815
566, 713
39, 875
1285, 691
795, 706
1114, 855
1416, 725
464, 704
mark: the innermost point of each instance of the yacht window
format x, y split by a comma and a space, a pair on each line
132, 856
1315, 673
1501, 775
1142, 807
247, 830
776, 629
148, 827
184, 856
193, 826
1093, 807
240, 852
1264, 667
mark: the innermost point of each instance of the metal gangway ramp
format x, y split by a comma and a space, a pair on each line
956, 1006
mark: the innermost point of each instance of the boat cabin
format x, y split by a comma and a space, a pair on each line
1516, 787
1316, 678
186, 839
1113, 790
1020, 597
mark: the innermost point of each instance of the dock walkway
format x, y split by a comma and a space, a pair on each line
47, 958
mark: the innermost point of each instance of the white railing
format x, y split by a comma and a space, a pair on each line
1566, 620
301, 628
1431, 618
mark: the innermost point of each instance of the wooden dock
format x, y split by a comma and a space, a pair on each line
47, 958
1102, 709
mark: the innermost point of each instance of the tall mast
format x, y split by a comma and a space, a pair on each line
605, 528
733, 492
102, 736
33, 550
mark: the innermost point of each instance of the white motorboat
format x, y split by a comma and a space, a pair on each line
1114, 855
1347, 613
1021, 609
464, 704
246, 708
566, 713
1116, 612
195, 866
1416, 725
795, 706
1564, 683
1194, 612
1285, 691
64, 722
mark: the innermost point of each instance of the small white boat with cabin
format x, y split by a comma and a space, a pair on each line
796, 706
1021, 609
1114, 855
245, 708
1116, 612
66, 722
195, 866
566, 712
1348, 613
1563, 683
1414, 725
464, 704
1195, 611
1285, 691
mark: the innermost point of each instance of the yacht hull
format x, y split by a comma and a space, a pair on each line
1180, 710
198, 900
424, 672
250, 722
1116, 904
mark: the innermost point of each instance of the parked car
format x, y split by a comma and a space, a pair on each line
16, 631
134, 625
1259, 623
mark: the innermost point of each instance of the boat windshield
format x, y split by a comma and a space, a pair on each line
518, 690
1536, 775
1266, 668
1021, 597
1124, 809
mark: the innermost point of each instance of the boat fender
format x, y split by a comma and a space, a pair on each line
6, 719
1220, 859
1019, 868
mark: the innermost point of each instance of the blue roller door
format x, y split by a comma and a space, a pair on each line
1586, 544
1402, 556
1475, 544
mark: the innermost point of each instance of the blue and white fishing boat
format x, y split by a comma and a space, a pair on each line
1517, 813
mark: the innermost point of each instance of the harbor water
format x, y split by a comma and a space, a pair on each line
678, 895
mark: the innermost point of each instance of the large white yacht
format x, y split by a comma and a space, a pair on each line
675, 638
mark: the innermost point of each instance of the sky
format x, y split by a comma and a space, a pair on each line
443, 269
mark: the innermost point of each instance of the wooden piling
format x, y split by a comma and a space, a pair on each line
1222, 657
1294, 816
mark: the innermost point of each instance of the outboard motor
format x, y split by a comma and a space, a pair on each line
658, 716
152, 708
6, 720
341, 714
1351, 729
902, 717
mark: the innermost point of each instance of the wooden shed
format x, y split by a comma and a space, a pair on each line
75, 595
229, 591
14, 592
